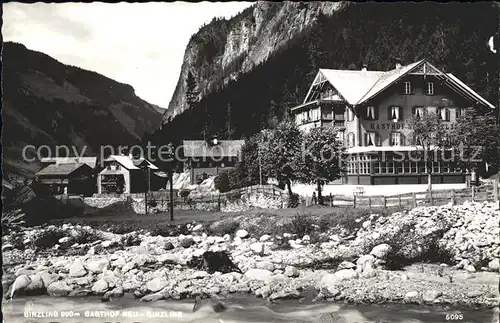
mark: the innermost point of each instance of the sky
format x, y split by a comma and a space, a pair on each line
141, 44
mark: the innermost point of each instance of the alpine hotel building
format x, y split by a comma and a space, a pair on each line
371, 108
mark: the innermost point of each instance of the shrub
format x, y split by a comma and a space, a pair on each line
130, 240
16, 239
234, 195
223, 228
168, 230
300, 225
85, 236
48, 238
408, 248
221, 182
184, 194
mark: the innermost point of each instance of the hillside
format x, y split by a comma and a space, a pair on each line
48, 103
253, 86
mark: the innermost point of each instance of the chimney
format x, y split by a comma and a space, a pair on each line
398, 63
365, 67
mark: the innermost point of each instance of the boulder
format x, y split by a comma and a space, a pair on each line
264, 238
331, 281
494, 265
77, 269
157, 284
186, 242
258, 274
212, 261
199, 274
20, 284
153, 297
36, 285
381, 250
346, 265
285, 294
100, 287
291, 271
431, 295
267, 265
242, 234
257, 248
59, 289
128, 266
7, 247
97, 266
168, 245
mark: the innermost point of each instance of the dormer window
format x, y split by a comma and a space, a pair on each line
407, 87
394, 113
371, 113
430, 88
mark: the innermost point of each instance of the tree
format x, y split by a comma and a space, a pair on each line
221, 182
280, 150
476, 140
321, 159
429, 136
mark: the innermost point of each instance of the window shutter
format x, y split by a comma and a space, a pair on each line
447, 114
402, 138
375, 115
389, 113
413, 111
400, 110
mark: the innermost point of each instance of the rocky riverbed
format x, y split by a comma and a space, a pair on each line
340, 264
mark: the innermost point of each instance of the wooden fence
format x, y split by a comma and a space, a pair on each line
410, 200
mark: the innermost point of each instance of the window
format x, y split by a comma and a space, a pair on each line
394, 113
222, 165
407, 87
109, 167
418, 112
371, 113
444, 114
117, 167
430, 88
395, 139
350, 139
459, 112
372, 139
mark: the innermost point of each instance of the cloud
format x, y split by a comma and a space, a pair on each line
141, 44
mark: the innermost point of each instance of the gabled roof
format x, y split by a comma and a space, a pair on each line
224, 148
90, 161
60, 169
357, 87
129, 162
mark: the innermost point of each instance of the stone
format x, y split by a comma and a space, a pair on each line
128, 266
79, 293
363, 259
20, 283
264, 238
494, 265
100, 287
120, 262
48, 278
117, 292
95, 249
431, 295
168, 258
242, 234
330, 281
36, 285
474, 293
157, 284
346, 265
97, 266
153, 297
199, 274
108, 243
168, 245
291, 271
412, 294
285, 294
63, 240
470, 268
258, 274
198, 227
257, 248
59, 289
381, 250
77, 269
264, 291
267, 265
186, 242
366, 224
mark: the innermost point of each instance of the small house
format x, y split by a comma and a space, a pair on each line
68, 178
127, 174
208, 158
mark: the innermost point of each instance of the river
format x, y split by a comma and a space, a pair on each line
240, 309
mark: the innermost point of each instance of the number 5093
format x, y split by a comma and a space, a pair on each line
454, 317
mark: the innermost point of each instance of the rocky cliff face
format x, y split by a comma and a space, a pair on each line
224, 49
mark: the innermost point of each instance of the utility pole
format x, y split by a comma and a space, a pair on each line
145, 199
170, 179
